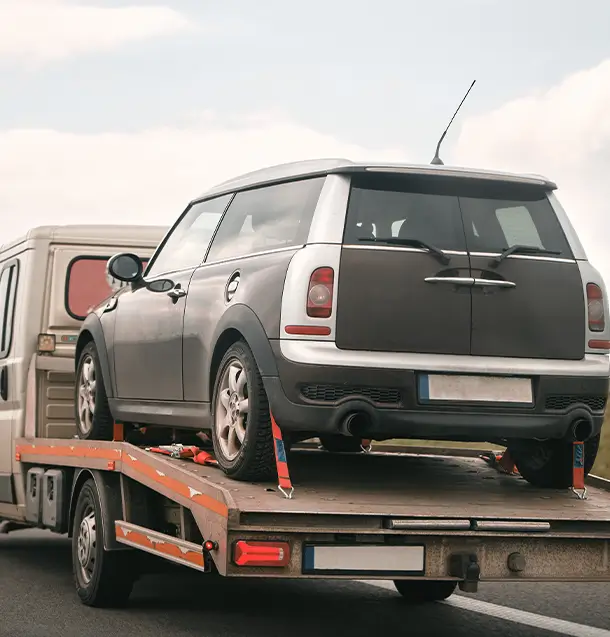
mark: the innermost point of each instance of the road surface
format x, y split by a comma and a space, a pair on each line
37, 599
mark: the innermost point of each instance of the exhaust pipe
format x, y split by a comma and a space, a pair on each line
356, 424
581, 429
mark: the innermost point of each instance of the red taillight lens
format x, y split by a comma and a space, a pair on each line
320, 293
261, 553
595, 303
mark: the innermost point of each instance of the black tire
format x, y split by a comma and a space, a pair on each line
103, 578
102, 423
425, 591
336, 443
547, 464
255, 460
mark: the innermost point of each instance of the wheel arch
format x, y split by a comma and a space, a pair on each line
92, 331
108, 486
241, 323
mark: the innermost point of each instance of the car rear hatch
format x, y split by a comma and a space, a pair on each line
457, 265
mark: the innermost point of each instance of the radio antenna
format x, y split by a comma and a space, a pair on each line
437, 161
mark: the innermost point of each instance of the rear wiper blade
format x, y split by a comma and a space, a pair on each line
414, 243
521, 249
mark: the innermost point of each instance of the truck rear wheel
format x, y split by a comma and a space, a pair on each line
547, 464
92, 413
241, 431
424, 591
102, 578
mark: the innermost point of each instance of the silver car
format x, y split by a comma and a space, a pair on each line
358, 301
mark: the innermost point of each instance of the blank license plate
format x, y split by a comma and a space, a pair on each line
363, 560
495, 389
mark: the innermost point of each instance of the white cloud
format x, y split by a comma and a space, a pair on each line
37, 31
563, 133
51, 177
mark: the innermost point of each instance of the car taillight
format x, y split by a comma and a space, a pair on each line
595, 303
261, 553
320, 293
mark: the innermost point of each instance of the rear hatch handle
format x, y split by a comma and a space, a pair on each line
454, 280
495, 283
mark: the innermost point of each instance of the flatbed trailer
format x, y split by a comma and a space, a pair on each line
404, 516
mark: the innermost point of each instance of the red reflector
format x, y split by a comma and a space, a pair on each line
261, 553
320, 293
599, 344
595, 306
308, 330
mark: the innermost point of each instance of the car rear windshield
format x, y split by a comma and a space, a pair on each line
86, 285
452, 214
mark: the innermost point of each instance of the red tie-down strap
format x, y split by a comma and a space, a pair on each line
283, 475
578, 470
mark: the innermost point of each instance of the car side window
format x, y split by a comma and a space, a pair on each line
267, 218
189, 240
8, 289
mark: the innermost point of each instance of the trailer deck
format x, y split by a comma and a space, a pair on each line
428, 516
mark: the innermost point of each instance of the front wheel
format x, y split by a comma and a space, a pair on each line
241, 432
425, 591
102, 578
547, 464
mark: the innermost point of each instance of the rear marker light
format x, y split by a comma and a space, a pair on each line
210, 545
599, 345
261, 553
320, 293
308, 330
595, 308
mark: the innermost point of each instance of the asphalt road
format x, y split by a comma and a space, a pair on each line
37, 599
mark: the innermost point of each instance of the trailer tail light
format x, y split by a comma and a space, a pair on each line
320, 293
595, 305
261, 553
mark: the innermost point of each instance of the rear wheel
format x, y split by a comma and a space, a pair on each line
241, 432
548, 463
92, 413
102, 578
341, 444
424, 591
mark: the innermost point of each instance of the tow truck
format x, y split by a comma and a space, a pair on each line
430, 520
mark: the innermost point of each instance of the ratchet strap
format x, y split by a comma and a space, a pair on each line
281, 462
578, 470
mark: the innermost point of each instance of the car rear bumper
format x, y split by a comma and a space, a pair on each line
319, 398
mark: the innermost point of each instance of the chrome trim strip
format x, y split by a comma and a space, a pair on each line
429, 525
518, 525
526, 257
401, 249
326, 353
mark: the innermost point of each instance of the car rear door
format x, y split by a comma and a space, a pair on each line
529, 304
393, 295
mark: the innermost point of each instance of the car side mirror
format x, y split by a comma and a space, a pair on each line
125, 267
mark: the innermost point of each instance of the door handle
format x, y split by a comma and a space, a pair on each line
454, 280
494, 283
4, 383
176, 293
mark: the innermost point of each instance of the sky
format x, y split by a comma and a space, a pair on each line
121, 111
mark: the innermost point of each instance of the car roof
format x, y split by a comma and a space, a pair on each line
319, 167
